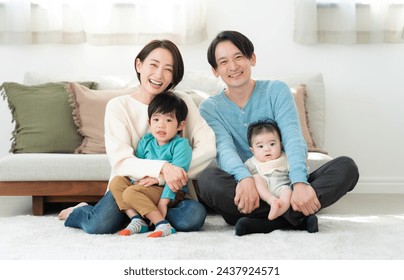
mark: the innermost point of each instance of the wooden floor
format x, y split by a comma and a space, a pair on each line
360, 204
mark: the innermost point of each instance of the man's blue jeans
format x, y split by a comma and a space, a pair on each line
105, 217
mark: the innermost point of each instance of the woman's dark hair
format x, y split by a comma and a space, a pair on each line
167, 102
262, 126
239, 40
178, 67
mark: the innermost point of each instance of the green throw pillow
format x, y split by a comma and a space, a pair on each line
43, 118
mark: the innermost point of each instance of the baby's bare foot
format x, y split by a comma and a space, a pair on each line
66, 212
274, 212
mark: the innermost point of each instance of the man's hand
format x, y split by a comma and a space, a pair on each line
304, 199
247, 198
175, 176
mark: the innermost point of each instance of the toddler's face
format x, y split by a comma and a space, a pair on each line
164, 127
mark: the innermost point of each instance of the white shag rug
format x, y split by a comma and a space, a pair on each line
341, 237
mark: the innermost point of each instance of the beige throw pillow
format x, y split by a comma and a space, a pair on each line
88, 114
300, 96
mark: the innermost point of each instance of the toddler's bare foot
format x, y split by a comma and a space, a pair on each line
275, 212
66, 212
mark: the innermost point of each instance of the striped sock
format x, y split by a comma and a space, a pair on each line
163, 228
136, 225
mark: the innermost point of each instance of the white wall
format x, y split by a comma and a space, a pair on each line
364, 83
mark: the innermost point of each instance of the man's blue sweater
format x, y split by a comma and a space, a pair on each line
270, 100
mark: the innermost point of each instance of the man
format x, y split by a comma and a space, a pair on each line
229, 188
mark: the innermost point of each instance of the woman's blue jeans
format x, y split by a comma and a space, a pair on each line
105, 217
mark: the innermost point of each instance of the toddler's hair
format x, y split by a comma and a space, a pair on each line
167, 102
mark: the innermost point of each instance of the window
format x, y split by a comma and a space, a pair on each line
110, 22
349, 21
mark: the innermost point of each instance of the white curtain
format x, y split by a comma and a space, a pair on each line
349, 21
101, 22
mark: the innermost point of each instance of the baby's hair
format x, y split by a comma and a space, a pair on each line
261, 126
167, 102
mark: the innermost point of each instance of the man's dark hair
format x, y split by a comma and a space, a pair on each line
262, 126
167, 102
239, 40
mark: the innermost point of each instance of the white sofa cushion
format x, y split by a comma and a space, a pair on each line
54, 167
316, 160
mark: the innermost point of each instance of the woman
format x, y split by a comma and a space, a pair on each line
159, 67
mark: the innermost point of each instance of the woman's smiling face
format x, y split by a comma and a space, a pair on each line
156, 71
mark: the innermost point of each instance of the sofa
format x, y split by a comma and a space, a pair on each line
57, 152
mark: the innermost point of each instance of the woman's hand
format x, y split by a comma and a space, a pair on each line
175, 176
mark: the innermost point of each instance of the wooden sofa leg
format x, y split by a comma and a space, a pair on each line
38, 205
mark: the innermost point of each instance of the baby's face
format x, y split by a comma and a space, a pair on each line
266, 146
